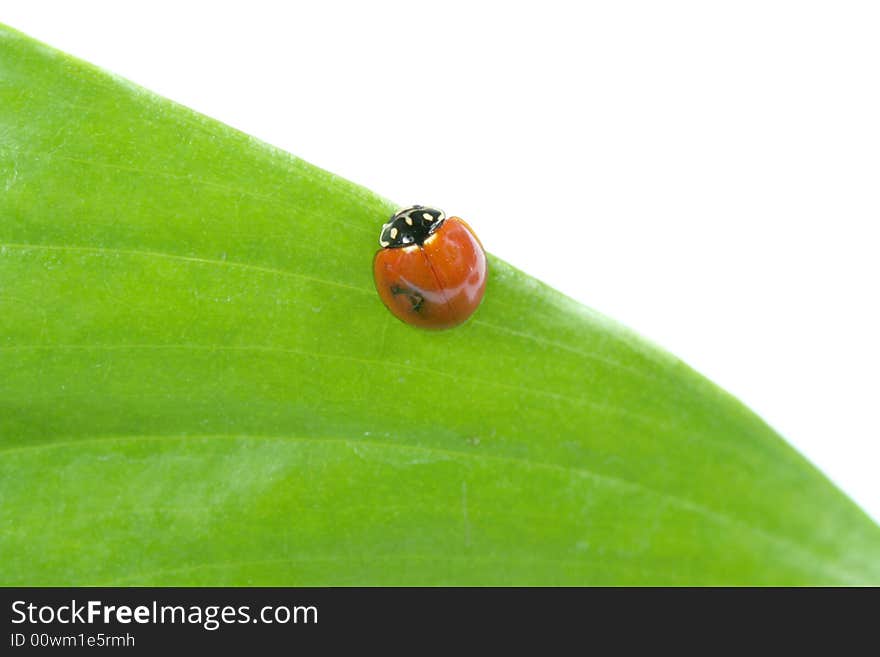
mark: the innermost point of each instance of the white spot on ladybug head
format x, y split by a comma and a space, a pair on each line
427, 216
408, 221
393, 233
383, 244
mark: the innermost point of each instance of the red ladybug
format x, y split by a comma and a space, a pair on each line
431, 271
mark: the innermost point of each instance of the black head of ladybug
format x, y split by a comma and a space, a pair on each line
412, 225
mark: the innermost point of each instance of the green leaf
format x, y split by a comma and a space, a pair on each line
199, 385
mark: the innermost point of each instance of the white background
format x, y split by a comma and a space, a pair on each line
706, 172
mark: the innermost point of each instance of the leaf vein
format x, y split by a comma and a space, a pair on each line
601, 479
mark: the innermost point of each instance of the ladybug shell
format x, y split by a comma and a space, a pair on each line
437, 284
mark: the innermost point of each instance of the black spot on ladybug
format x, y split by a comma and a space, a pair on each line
416, 299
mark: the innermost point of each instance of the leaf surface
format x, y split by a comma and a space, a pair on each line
200, 386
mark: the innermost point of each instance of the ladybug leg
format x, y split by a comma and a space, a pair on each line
416, 299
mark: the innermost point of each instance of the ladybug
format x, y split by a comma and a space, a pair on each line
431, 271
